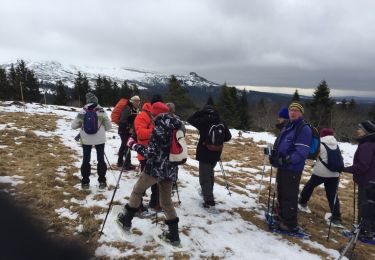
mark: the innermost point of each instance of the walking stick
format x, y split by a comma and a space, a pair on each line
178, 195
333, 208
263, 173
354, 219
225, 178
110, 166
113, 195
269, 194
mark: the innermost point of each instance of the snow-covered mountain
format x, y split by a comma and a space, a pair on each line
52, 71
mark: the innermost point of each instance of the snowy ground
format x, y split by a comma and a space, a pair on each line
224, 234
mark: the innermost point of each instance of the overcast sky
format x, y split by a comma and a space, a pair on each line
292, 43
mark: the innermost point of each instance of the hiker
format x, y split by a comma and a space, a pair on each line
172, 111
282, 119
125, 130
204, 120
322, 174
158, 170
92, 135
363, 170
143, 125
288, 156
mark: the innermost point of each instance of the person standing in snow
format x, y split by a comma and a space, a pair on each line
321, 174
96, 139
288, 156
158, 170
125, 130
363, 170
283, 118
203, 120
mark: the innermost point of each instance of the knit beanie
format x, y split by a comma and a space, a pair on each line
368, 126
298, 106
91, 98
326, 131
172, 107
156, 98
134, 98
158, 108
284, 113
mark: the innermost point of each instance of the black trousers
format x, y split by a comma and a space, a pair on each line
287, 196
366, 210
124, 151
330, 186
207, 180
86, 167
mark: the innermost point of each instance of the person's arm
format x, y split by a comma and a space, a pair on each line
123, 123
302, 145
227, 135
365, 157
78, 121
154, 145
197, 119
143, 128
106, 121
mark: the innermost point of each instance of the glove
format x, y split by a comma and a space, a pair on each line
284, 160
81, 115
130, 142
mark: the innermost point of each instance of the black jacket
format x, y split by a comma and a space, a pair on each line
202, 120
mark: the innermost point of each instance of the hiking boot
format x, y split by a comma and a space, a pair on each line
208, 204
85, 185
102, 185
172, 237
284, 227
121, 220
336, 220
130, 167
366, 235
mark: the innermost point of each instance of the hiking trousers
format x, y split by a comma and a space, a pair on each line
287, 196
124, 151
144, 182
206, 180
86, 167
330, 186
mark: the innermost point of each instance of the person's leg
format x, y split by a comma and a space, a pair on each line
102, 166
154, 201
169, 211
279, 184
127, 153
330, 186
289, 192
86, 167
206, 180
121, 151
307, 191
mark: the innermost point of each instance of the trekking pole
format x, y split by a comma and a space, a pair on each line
105, 155
352, 241
354, 188
333, 208
225, 178
269, 194
178, 195
263, 173
113, 196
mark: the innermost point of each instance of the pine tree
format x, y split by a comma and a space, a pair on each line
178, 95
243, 109
210, 100
296, 96
227, 105
125, 91
352, 106
5, 91
344, 104
61, 95
320, 107
81, 88
14, 84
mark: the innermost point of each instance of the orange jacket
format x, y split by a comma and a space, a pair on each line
143, 125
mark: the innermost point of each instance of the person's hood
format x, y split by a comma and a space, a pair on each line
92, 106
146, 107
212, 113
329, 140
366, 138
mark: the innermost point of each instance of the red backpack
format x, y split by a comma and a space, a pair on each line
116, 113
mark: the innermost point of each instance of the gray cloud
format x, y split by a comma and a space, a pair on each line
279, 42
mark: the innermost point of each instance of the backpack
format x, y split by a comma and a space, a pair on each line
315, 140
215, 137
90, 121
178, 150
335, 162
116, 113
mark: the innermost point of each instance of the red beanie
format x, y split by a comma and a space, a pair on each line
158, 108
326, 131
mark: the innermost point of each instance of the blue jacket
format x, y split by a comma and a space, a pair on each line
295, 148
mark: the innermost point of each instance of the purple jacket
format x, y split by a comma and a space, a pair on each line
296, 147
363, 167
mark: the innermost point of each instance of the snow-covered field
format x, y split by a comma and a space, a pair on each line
224, 234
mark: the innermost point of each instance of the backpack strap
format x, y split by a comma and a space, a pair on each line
320, 158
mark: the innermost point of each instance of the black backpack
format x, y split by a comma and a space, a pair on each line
335, 162
215, 137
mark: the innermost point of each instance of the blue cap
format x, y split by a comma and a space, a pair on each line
284, 113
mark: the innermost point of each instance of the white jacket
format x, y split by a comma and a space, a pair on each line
319, 168
103, 121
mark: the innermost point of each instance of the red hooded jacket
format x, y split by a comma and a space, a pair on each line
144, 125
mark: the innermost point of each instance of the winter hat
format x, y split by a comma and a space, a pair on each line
134, 98
172, 107
91, 98
158, 108
368, 126
326, 131
284, 113
156, 98
298, 106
